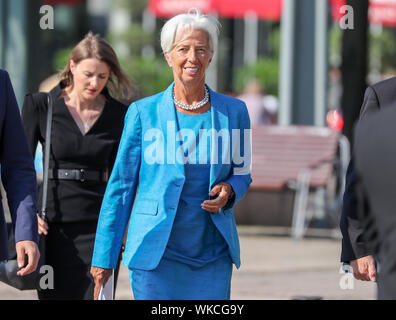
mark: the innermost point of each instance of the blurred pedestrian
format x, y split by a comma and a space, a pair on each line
19, 180
375, 159
182, 237
86, 130
262, 108
49, 83
334, 92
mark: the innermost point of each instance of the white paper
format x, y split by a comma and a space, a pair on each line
107, 291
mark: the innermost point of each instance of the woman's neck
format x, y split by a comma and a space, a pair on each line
77, 101
189, 94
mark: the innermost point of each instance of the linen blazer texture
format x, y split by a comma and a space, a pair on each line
17, 171
377, 96
160, 185
375, 158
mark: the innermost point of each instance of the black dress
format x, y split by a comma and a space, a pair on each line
73, 205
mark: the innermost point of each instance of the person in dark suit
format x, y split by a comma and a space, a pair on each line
19, 180
375, 159
354, 248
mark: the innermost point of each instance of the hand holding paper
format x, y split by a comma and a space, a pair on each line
101, 277
107, 290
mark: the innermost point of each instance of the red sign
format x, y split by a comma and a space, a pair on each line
170, 8
55, 2
334, 120
382, 12
263, 9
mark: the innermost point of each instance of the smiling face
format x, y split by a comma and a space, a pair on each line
89, 77
190, 57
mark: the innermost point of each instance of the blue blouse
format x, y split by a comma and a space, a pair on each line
194, 239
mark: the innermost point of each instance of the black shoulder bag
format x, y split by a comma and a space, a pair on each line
9, 268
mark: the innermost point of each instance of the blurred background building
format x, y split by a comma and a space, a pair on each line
31, 54
293, 48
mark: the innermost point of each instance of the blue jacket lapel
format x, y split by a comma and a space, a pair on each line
219, 115
167, 115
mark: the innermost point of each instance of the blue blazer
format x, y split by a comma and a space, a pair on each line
146, 191
17, 171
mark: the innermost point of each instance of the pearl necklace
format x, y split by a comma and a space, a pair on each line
192, 106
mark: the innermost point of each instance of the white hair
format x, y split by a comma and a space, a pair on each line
190, 20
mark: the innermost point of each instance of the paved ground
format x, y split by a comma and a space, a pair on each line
273, 267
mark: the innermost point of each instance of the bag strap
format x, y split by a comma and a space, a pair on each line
43, 212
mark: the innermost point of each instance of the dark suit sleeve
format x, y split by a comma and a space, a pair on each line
17, 171
352, 229
366, 217
353, 244
370, 102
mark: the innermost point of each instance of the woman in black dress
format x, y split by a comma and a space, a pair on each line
86, 128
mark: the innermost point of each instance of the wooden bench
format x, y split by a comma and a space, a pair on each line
298, 158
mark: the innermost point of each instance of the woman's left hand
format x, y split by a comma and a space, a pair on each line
224, 191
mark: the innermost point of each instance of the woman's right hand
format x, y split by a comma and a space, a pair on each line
100, 276
42, 226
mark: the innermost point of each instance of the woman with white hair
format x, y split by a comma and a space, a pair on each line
174, 183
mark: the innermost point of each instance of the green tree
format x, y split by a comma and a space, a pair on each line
61, 59
151, 75
382, 51
265, 70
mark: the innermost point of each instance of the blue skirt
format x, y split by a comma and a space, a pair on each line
175, 280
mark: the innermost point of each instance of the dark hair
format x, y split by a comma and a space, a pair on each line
93, 46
